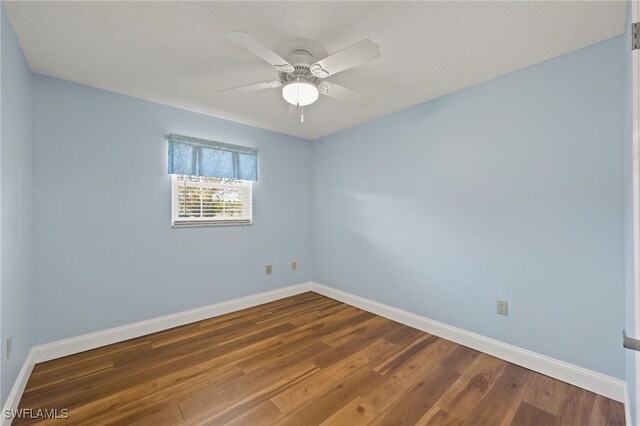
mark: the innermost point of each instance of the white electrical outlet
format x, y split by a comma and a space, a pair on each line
9, 346
502, 308
269, 269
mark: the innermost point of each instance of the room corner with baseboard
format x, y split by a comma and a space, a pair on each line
319, 213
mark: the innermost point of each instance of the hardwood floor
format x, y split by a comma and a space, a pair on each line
303, 360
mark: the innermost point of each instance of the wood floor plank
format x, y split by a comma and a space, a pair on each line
399, 377
62, 375
282, 306
402, 335
419, 398
576, 408
460, 359
529, 415
504, 394
79, 413
97, 355
249, 316
302, 360
400, 348
354, 413
265, 413
179, 384
319, 384
222, 395
606, 412
161, 414
424, 353
439, 417
351, 347
319, 410
301, 337
348, 334
467, 392
222, 414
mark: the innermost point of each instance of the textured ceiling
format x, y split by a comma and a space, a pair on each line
175, 52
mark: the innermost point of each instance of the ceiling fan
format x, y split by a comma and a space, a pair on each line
301, 75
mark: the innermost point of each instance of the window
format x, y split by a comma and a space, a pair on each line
201, 201
211, 182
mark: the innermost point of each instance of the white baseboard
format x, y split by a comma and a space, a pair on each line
578, 376
586, 379
18, 387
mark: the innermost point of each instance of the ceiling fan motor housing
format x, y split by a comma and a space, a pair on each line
301, 60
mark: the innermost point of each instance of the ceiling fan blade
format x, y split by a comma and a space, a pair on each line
346, 95
245, 41
354, 55
253, 87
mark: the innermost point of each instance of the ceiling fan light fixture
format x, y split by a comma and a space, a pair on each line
300, 93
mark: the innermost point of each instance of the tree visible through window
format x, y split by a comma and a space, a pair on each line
210, 201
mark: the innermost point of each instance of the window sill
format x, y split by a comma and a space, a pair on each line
208, 224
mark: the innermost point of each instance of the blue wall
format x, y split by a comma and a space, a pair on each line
16, 259
511, 189
105, 252
628, 221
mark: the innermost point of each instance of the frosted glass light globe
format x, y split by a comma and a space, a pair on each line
300, 93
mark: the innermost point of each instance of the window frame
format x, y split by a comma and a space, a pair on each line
246, 186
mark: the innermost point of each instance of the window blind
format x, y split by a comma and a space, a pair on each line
199, 157
210, 201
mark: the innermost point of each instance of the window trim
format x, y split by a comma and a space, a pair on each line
206, 222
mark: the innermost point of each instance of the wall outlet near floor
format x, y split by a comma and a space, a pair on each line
9, 346
268, 269
294, 265
502, 307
